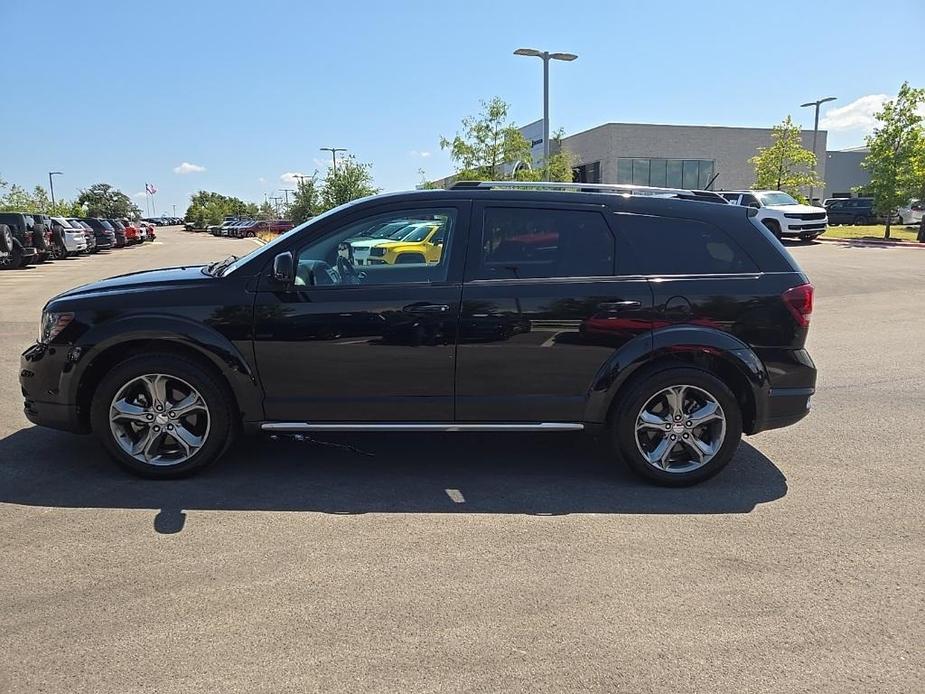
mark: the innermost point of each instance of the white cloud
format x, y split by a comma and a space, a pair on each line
261, 179
187, 168
139, 196
416, 153
858, 115
291, 178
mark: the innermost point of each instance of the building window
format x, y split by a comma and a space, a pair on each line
587, 173
671, 173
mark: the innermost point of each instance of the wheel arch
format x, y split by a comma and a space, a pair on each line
193, 341
709, 350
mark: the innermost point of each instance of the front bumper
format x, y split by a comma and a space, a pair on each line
42, 375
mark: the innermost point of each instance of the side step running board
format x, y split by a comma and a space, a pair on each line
422, 426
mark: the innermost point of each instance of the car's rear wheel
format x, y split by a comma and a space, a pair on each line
162, 416
677, 427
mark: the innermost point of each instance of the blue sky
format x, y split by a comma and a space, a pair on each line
245, 92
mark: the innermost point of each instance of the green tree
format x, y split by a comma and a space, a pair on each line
896, 162
488, 142
306, 202
351, 181
207, 208
786, 165
492, 148
102, 200
265, 211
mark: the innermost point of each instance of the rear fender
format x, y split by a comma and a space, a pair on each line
682, 345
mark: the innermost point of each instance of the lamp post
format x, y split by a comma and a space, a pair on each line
816, 103
546, 56
51, 185
334, 151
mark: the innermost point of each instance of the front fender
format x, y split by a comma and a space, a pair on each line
203, 339
685, 345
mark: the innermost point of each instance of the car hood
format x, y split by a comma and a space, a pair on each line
167, 278
796, 209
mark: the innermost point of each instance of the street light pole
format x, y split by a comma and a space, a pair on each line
546, 56
816, 103
51, 185
334, 151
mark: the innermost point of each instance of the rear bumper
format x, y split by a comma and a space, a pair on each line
787, 400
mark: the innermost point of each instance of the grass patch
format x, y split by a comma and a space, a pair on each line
870, 231
266, 236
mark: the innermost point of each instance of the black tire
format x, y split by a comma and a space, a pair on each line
807, 238
6, 239
215, 393
774, 227
408, 258
638, 393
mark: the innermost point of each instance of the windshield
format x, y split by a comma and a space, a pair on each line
776, 198
106, 225
282, 238
419, 234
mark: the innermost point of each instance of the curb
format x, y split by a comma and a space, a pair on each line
866, 242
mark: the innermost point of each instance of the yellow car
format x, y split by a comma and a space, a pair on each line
423, 245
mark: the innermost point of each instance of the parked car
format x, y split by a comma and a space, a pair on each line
132, 235
102, 230
713, 316
43, 238
911, 214
150, 234
422, 244
73, 240
22, 230
853, 211
119, 231
6, 243
280, 226
88, 231
780, 213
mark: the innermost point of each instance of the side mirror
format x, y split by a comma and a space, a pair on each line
283, 268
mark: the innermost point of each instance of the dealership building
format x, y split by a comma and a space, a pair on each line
688, 156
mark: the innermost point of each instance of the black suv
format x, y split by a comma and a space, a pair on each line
103, 232
669, 325
853, 211
23, 232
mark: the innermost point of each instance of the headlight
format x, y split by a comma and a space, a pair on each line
377, 251
53, 324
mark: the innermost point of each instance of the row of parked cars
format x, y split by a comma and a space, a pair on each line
243, 227
28, 238
162, 221
861, 211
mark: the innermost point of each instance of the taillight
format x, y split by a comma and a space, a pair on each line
799, 301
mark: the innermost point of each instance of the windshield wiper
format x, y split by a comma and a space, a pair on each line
215, 269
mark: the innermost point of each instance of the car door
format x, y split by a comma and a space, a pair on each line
371, 343
838, 212
543, 311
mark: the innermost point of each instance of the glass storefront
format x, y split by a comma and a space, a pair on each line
670, 173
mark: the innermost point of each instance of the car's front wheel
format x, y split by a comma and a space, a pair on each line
677, 427
162, 415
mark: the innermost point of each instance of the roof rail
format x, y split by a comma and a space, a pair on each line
605, 188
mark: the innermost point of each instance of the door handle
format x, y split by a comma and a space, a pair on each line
619, 305
426, 308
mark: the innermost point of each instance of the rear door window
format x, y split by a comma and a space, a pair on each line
669, 246
526, 243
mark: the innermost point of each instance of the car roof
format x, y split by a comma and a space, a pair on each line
639, 204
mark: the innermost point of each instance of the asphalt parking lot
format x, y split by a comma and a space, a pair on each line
449, 563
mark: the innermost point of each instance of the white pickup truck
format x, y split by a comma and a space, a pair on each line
780, 213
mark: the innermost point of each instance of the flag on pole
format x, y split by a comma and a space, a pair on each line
150, 188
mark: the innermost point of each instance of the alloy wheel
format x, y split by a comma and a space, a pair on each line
680, 429
159, 419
